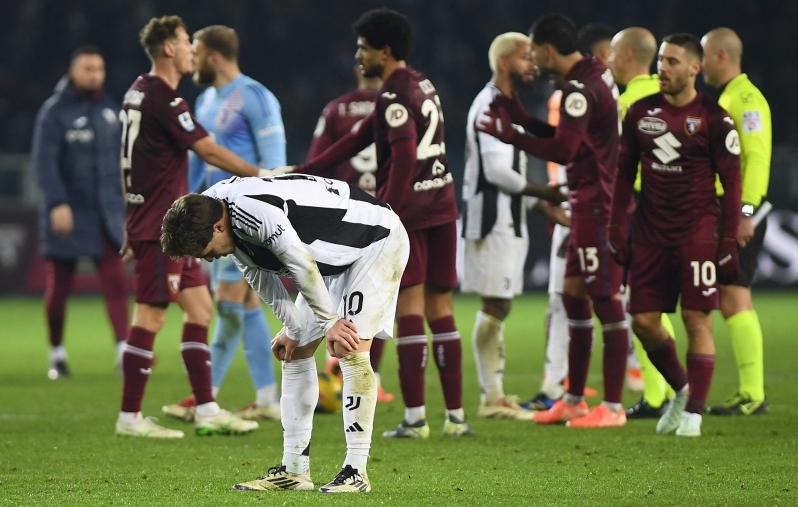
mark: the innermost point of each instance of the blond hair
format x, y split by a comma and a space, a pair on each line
503, 45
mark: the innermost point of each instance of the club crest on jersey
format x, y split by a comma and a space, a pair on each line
692, 125
651, 125
186, 122
396, 115
173, 281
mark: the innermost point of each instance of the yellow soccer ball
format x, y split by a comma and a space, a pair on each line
330, 390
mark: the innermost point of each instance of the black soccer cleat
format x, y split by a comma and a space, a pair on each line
642, 410
739, 404
58, 369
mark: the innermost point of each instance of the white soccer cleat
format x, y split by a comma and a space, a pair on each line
673, 416
223, 423
348, 480
504, 408
253, 412
277, 478
146, 428
689, 426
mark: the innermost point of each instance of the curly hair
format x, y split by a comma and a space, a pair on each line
188, 225
385, 27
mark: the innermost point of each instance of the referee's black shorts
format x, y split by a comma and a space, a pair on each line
749, 254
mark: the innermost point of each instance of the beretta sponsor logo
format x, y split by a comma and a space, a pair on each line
651, 125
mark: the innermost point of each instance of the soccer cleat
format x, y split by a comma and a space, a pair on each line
253, 412
642, 410
739, 404
278, 478
58, 369
504, 408
184, 410
419, 429
599, 417
223, 423
541, 401
673, 415
634, 380
348, 480
454, 427
560, 412
689, 425
146, 428
384, 396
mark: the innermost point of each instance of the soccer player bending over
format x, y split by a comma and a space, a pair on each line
346, 252
684, 243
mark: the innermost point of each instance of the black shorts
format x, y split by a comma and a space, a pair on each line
749, 254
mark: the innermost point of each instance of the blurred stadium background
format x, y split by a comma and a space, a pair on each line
303, 51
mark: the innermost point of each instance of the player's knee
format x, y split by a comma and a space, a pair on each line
609, 310
151, 317
645, 328
497, 308
576, 308
697, 323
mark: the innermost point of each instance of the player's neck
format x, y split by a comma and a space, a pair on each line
166, 72
566, 63
682, 98
225, 75
504, 84
390, 67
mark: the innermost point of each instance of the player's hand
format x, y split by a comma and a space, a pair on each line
618, 243
277, 171
745, 231
61, 220
342, 338
126, 252
558, 215
514, 107
497, 123
283, 346
728, 261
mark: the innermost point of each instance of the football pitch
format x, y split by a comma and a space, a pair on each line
57, 443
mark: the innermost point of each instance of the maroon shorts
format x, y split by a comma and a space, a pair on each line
589, 257
157, 278
432, 257
659, 274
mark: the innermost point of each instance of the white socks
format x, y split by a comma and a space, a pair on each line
487, 339
209, 409
415, 414
299, 399
58, 354
266, 396
130, 418
556, 367
360, 402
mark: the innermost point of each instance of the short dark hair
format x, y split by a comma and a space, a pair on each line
84, 50
592, 34
157, 31
385, 27
221, 39
688, 41
557, 30
188, 225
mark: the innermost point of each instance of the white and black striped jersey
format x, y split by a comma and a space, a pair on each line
495, 174
300, 226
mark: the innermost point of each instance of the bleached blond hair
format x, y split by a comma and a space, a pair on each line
502, 45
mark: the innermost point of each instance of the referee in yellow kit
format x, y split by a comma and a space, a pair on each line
751, 114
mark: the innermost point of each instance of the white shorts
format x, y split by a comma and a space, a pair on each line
367, 292
557, 260
494, 266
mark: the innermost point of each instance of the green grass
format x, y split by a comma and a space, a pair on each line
57, 445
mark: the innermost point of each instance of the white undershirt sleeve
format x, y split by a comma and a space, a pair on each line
272, 291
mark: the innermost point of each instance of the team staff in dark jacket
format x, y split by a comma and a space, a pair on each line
76, 143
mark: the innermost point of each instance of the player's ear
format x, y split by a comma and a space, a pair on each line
168, 49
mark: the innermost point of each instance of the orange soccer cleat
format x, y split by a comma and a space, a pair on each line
560, 412
589, 392
384, 396
599, 417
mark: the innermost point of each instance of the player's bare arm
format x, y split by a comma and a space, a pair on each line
223, 158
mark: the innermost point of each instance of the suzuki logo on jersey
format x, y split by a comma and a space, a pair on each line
396, 115
651, 125
666, 150
692, 125
273, 236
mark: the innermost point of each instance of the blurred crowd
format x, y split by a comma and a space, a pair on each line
303, 50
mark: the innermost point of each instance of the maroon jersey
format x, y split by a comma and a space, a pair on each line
339, 118
589, 112
420, 190
157, 130
681, 149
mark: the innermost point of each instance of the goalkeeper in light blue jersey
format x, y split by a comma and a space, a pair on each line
243, 116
